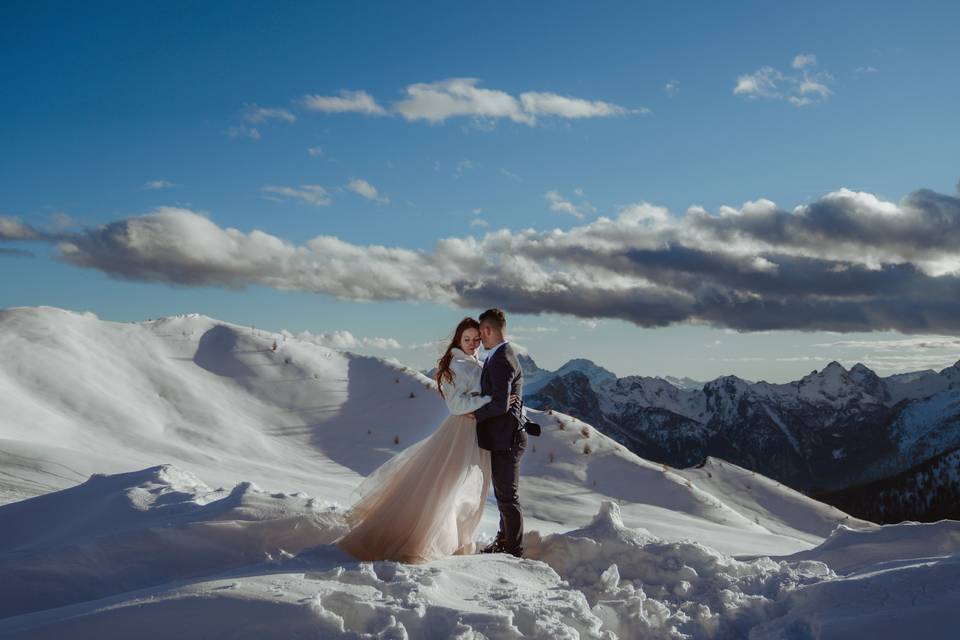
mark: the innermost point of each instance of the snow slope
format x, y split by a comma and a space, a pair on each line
223, 468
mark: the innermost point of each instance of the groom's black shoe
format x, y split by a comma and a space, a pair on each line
494, 547
518, 552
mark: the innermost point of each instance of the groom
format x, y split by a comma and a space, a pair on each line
500, 428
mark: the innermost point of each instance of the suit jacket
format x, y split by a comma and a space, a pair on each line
497, 421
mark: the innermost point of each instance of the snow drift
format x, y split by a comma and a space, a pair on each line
111, 433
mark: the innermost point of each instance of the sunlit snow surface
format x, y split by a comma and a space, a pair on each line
221, 468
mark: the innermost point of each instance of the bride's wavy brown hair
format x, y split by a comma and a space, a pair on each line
443, 364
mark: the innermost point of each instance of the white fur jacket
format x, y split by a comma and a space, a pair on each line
463, 395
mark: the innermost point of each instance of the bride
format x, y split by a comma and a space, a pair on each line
426, 502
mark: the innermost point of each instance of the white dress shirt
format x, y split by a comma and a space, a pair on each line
493, 351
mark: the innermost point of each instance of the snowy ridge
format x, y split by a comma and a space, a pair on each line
221, 467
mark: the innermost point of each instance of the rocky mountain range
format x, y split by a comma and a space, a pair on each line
884, 448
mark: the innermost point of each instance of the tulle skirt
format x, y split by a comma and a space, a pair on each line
424, 503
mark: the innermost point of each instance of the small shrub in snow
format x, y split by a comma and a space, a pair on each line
585, 431
561, 425
413, 395
551, 458
274, 347
587, 449
286, 360
396, 439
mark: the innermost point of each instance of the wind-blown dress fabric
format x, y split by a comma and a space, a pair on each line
427, 501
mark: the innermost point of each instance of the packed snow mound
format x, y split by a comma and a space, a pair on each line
849, 550
162, 554
117, 533
641, 586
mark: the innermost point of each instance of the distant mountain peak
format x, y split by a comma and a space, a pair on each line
596, 374
528, 364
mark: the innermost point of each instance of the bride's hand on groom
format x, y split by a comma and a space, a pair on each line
514, 399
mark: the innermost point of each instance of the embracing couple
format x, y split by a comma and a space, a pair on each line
427, 501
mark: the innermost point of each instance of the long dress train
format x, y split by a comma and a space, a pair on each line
427, 501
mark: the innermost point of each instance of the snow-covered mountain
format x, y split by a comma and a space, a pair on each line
832, 429
185, 476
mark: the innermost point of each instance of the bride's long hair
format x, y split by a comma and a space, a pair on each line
444, 374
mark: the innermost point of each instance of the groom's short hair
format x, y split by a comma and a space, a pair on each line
495, 318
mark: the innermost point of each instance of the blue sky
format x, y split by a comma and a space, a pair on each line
112, 110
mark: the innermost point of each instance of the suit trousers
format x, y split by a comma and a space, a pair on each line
505, 468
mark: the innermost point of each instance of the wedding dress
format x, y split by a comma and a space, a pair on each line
426, 502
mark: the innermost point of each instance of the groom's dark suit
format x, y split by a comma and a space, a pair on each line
500, 429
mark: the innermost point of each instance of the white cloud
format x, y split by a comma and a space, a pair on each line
762, 83
345, 340
13, 229
672, 87
919, 342
866, 70
315, 152
847, 261
366, 190
479, 222
560, 204
804, 60
346, 102
511, 175
257, 114
461, 97
312, 194
530, 331
437, 101
798, 89
243, 131
538, 103
158, 184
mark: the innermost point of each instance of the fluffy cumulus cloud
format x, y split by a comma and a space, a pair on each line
366, 190
799, 89
848, 261
462, 97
